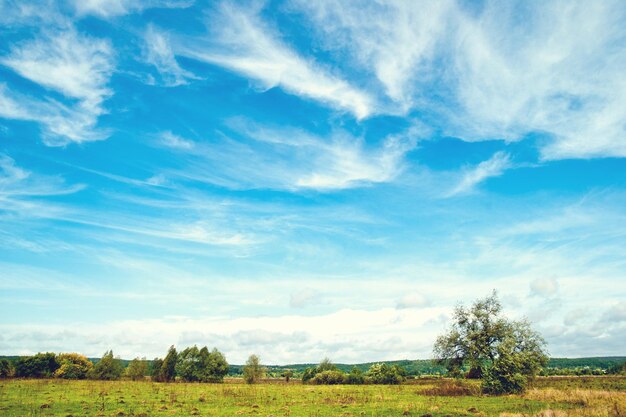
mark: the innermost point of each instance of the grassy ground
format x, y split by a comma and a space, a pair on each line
436, 398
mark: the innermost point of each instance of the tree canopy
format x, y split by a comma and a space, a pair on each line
503, 352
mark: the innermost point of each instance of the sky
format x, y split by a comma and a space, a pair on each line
302, 180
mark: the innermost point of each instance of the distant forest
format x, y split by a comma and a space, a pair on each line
422, 367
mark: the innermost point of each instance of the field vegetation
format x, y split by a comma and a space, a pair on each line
434, 397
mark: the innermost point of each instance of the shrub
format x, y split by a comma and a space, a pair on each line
73, 366
329, 378
381, 373
355, 377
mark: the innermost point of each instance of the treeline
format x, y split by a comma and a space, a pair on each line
190, 365
327, 373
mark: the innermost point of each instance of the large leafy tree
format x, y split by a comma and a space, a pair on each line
506, 354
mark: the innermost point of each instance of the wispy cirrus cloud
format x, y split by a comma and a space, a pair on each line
158, 52
395, 41
66, 62
472, 176
242, 42
494, 70
258, 156
112, 8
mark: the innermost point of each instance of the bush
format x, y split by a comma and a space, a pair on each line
355, 377
381, 373
329, 378
73, 366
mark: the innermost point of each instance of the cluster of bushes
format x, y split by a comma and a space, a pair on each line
63, 365
326, 373
578, 371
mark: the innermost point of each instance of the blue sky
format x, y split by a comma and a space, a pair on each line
306, 179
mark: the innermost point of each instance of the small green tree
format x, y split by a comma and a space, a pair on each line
155, 370
137, 369
505, 354
308, 374
287, 374
6, 370
168, 368
108, 368
253, 371
326, 365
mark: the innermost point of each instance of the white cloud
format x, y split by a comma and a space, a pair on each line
244, 44
74, 65
495, 70
112, 8
17, 182
287, 158
397, 41
413, 300
304, 297
170, 140
158, 52
471, 177
545, 287
616, 313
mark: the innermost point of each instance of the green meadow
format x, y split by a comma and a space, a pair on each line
602, 396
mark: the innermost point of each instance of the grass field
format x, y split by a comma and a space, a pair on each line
554, 397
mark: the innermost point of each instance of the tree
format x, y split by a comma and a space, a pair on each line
506, 354
326, 365
155, 370
287, 374
41, 365
137, 369
308, 374
73, 366
6, 370
253, 371
108, 368
168, 368
200, 365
